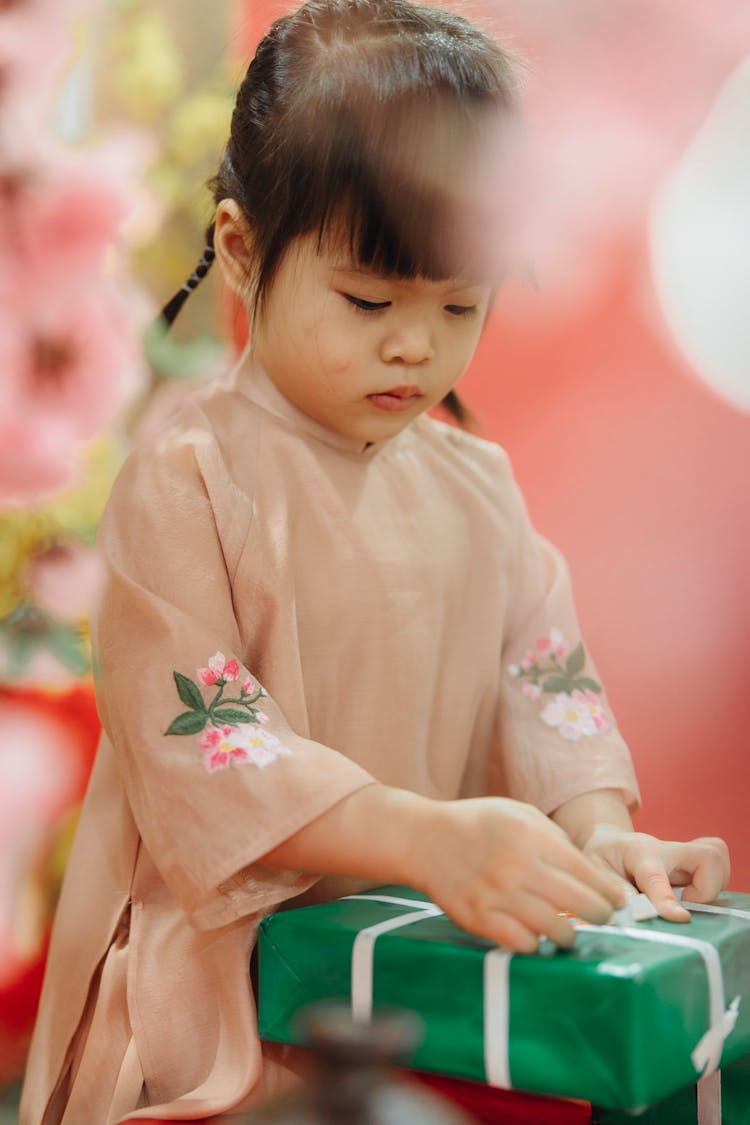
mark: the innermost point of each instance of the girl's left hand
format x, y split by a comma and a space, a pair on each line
654, 866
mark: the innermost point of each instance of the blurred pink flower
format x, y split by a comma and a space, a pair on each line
54, 225
36, 42
64, 580
61, 217
70, 359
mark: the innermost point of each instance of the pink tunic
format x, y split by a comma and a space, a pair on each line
403, 618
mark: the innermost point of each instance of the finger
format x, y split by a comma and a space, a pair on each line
706, 864
540, 917
566, 893
504, 929
651, 878
567, 858
605, 865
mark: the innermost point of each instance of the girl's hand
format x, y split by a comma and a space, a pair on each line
655, 866
503, 870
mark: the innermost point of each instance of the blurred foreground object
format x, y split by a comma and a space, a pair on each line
352, 1082
700, 245
616, 92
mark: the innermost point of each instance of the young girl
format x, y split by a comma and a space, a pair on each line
332, 650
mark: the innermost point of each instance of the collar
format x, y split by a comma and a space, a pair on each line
251, 380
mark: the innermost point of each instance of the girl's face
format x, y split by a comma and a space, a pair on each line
361, 353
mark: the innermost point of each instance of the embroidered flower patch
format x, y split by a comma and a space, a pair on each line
550, 669
230, 728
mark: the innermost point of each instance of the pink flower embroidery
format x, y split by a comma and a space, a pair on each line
219, 669
227, 745
553, 645
551, 670
229, 727
576, 715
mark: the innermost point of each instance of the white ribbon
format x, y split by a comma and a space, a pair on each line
363, 951
496, 972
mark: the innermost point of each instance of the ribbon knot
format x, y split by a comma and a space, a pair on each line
709, 1046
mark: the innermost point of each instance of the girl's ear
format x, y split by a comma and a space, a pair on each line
233, 243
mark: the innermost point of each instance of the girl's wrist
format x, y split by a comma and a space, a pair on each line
408, 832
583, 815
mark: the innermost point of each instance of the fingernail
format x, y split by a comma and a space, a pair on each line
679, 913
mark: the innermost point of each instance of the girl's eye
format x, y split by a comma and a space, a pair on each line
366, 306
461, 310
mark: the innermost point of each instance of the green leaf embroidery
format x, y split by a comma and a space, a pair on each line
188, 692
584, 683
558, 683
221, 711
189, 722
232, 716
576, 660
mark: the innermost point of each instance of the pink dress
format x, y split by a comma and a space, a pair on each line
287, 616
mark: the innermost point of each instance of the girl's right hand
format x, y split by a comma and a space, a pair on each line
503, 870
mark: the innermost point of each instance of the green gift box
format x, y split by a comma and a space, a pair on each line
627, 1017
682, 1108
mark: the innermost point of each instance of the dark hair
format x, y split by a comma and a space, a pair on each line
356, 120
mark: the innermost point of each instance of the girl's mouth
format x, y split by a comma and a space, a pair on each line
398, 398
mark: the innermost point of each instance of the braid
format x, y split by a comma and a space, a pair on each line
172, 308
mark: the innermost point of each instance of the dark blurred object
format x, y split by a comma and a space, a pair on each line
353, 1081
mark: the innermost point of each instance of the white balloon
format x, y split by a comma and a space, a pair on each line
700, 245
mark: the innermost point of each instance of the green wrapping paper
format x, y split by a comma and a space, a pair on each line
682, 1108
612, 1021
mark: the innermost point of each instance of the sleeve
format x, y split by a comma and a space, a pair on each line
556, 735
213, 773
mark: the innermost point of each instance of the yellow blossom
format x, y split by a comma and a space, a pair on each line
200, 127
148, 73
79, 510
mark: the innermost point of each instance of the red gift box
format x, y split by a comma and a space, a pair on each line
491, 1106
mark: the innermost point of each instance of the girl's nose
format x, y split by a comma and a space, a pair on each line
410, 344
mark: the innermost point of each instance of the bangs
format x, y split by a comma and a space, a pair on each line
381, 156
399, 194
